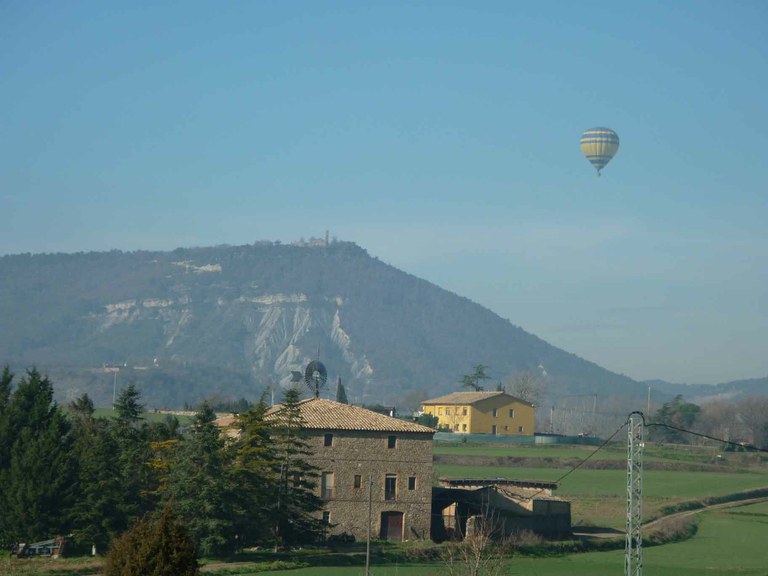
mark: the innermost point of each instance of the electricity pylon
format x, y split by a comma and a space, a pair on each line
633, 550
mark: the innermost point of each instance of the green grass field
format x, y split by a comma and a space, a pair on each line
598, 496
148, 416
728, 542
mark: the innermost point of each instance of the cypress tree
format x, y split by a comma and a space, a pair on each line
341, 393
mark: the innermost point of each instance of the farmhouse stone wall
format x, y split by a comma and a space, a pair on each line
368, 454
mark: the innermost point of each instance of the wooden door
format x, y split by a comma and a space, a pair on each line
392, 526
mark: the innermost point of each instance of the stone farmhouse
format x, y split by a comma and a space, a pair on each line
495, 413
369, 463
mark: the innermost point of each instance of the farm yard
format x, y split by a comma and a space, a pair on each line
726, 540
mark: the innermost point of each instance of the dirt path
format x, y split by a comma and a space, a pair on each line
596, 532
707, 508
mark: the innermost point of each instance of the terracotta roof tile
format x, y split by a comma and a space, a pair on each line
321, 414
470, 398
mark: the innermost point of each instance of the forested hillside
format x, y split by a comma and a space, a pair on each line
235, 321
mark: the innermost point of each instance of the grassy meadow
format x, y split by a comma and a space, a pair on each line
597, 490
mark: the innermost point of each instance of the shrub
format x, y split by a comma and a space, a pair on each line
154, 547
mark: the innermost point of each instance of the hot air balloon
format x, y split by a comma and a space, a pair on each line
599, 145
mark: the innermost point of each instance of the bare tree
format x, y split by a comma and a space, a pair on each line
481, 553
526, 386
719, 419
753, 413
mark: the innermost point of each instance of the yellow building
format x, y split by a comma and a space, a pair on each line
482, 413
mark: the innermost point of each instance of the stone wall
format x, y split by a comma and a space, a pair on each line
367, 455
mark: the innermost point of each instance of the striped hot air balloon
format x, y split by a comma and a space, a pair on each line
599, 145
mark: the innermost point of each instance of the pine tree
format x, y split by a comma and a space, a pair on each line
296, 492
38, 471
253, 472
134, 455
202, 486
97, 514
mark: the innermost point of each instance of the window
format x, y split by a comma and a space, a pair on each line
328, 440
326, 486
326, 517
463, 427
358, 481
391, 441
412, 483
464, 411
519, 428
456, 427
511, 412
495, 412
506, 427
390, 487
493, 429
447, 411
439, 411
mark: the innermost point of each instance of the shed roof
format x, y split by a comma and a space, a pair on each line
321, 414
471, 398
475, 482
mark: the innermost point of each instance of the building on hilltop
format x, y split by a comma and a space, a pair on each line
352, 446
482, 413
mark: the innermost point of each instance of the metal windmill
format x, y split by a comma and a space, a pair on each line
315, 376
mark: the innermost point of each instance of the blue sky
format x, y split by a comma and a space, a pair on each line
440, 136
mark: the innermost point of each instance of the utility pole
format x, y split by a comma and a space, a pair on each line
368, 539
648, 409
633, 550
552, 420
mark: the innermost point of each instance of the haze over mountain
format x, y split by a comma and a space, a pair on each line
234, 320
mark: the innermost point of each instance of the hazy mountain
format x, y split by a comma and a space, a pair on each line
698, 393
233, 320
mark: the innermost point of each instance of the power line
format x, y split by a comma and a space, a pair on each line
750, 447
580, 464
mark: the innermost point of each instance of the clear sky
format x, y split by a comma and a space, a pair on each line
440, 136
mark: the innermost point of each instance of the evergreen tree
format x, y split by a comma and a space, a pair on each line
296, 491
253, 472
341, 393
154, 547
37, 473
134, 455
675, 413
473, 380
6, 379
98, 514
202, 486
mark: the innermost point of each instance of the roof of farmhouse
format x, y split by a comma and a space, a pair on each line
321, 414
467, 398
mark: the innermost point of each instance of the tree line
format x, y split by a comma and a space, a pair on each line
742, 421
64, 471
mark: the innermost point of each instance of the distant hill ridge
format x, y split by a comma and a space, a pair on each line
235, 321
